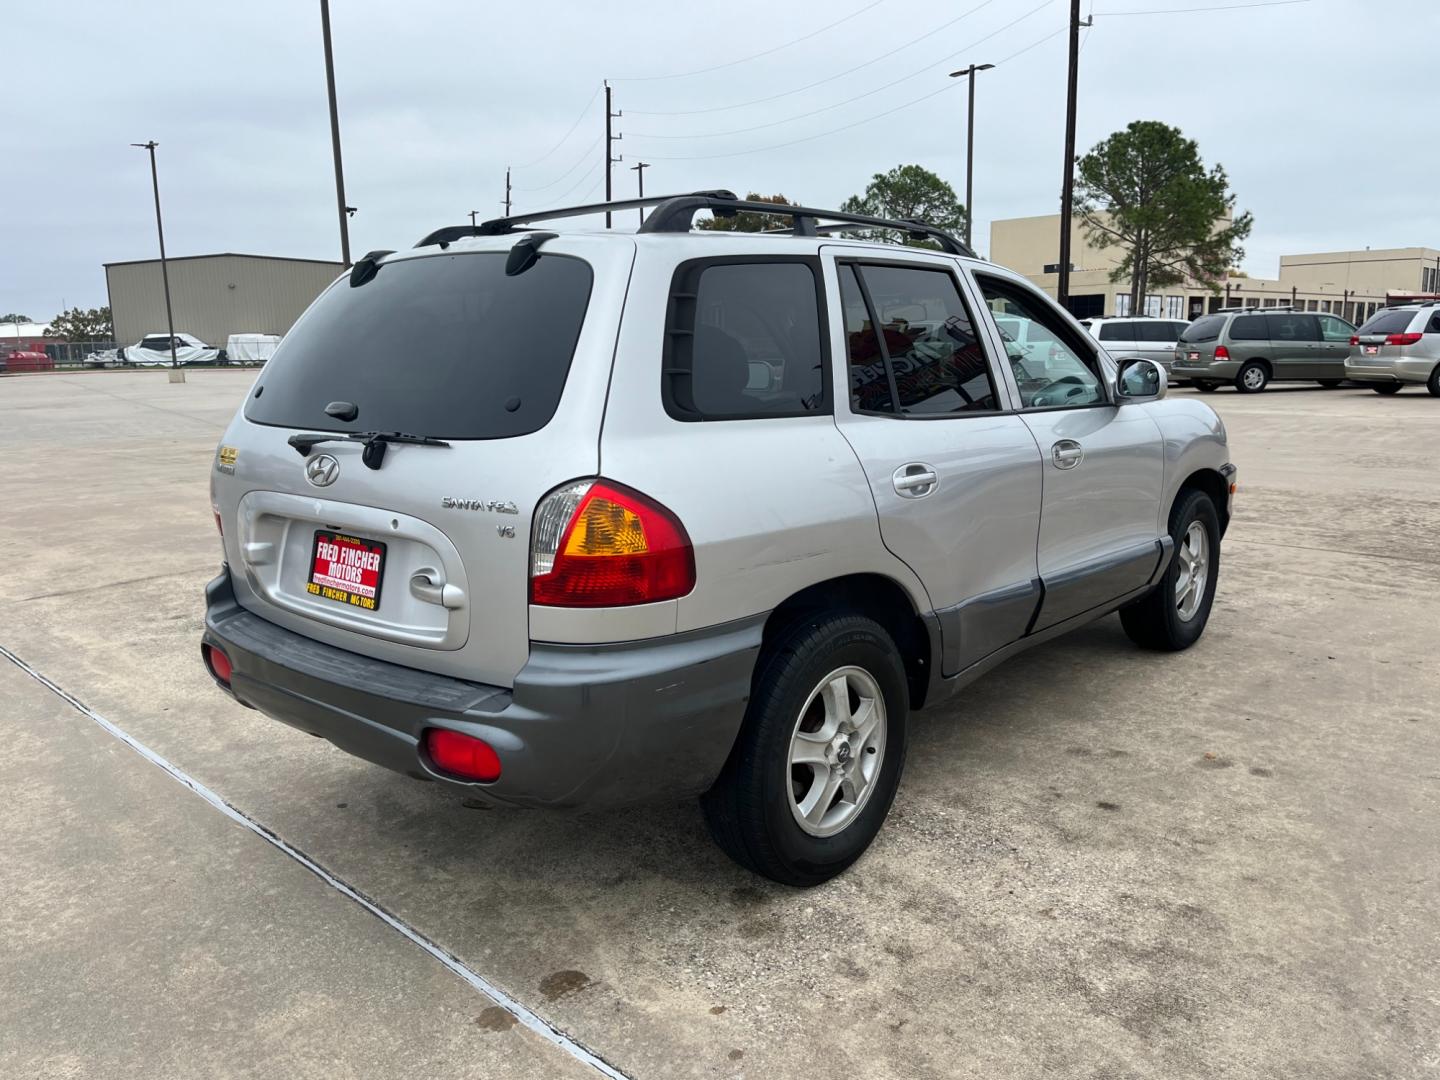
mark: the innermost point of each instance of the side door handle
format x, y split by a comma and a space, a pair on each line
915, 480
1067, 453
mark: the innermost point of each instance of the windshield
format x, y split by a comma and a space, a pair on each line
441, 345
1205, 328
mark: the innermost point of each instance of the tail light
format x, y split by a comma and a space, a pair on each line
1404, 339
461, 754
598, 544
1354, 340
1222, 353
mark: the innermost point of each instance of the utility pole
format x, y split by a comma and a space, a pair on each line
507, 190
1067, 192
969, 73
473, 215
639, 170
610, 139
177, 374
335, 135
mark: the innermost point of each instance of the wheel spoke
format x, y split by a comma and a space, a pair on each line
866, 720
836, 696
808, 748
818, 799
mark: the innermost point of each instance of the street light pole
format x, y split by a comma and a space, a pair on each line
335, 134
970, 150
1067, 192
639, 170
176, 374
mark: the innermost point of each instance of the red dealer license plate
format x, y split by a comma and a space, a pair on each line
347, 569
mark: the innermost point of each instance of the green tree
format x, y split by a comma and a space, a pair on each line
909, 193
748, 220
12, 318
78, 324
1146, 191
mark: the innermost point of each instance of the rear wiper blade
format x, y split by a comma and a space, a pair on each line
375, 443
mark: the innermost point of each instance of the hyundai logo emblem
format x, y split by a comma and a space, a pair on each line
322, 470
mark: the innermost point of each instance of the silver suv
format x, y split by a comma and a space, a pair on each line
593, 518
1398, 346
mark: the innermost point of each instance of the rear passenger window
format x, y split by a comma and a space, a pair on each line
1292, 328
915, 344
1249, 328
744, 340
1433, 326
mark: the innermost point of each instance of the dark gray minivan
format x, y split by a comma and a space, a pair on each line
1252, 347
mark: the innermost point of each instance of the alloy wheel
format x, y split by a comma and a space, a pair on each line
1194, 557
836, 751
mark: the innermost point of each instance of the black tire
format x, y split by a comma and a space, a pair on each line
1256, 383
1330, 384
1205, 386
748, 810
1154, 621
1433, 383
1386, 388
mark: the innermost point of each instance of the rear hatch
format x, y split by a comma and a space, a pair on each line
1386, 334
420, 554
1198, 340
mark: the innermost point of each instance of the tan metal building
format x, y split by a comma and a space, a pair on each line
214, 296
1352, 284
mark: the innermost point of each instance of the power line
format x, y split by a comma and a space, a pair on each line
923, 70
1033, 45
1189, 10
753, 56
820, 82
567, 134
566, 174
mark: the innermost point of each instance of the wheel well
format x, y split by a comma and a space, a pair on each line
1269, 371
1212, 484
876, 596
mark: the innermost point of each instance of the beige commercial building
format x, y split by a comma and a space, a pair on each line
1349, 283
214, 296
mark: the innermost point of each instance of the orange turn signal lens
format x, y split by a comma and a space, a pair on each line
604, 527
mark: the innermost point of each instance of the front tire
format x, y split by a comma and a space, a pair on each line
1433, 383
1252, 378
1173, 616
1330, 384
818, 760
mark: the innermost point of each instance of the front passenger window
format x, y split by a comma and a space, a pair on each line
1051, 367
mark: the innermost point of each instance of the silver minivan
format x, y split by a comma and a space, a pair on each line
1398, 346
593, 518
1140, 335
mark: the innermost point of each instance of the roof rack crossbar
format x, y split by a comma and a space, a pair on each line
676, 214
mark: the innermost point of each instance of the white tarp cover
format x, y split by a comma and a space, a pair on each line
188, 350
250, 348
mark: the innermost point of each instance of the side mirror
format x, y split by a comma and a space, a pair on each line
1140, 380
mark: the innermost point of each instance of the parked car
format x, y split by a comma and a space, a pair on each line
1252, 347
250, 348
1398, 346
154, 351
1139, 335
605, 563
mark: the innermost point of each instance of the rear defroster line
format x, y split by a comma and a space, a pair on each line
531, 1020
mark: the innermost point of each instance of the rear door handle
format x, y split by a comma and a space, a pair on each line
1067, 453
915, 480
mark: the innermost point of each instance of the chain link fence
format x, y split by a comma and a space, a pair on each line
100, 355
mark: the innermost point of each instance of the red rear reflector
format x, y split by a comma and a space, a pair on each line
1222, 353
1354, 339
463, 755
218, 663
218, 525
1404, 339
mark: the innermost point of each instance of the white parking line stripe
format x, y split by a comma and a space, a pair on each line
531, 1020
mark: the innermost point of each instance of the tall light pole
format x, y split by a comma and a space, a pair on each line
335, 134
177, 374
969, 73
639, 170
610, 139
1067, 192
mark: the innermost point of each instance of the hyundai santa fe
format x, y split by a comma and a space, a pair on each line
593, 518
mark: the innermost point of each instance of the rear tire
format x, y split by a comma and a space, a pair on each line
1433, 383
806, 681
1205, 386
1330, 384
1386, 388
1171, 617
1252, 377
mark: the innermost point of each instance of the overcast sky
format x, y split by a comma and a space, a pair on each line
1317, 110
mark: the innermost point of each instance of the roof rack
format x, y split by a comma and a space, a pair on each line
676, 214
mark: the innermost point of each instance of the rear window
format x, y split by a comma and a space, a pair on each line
1117, 331
1205, 328
744, 340
1394, 321
1249, 328
443, 345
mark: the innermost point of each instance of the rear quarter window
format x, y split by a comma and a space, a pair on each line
1117, 332
442, 345
744, 339
1249, 328
1205, 328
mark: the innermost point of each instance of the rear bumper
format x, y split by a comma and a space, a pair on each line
582, 726
1389, 369
1219, 370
